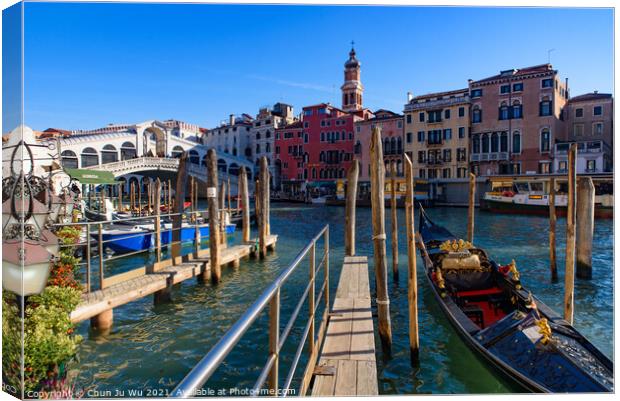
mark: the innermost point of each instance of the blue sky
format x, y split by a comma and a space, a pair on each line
87, 65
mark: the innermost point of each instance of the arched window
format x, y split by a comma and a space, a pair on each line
516, 142
494, 142
485, 143
313, 172
503, 111
517, 109
322, 156
393, 145
476, 114
399, 167
177, 151
545, 106
267, 147
194, 158
358, 148
503, 142
257, 148
128, 151
109, 154
204, 161
90, 157
267, 134
399, 145
476, 144
545, 140
69, 159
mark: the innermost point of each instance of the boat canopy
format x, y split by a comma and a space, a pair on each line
87, 176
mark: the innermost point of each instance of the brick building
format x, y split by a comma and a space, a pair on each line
590, 117
516, 118
289, 157
437, 134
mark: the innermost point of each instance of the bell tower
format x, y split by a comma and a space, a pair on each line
352, 88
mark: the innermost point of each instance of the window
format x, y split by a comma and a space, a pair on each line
258, 135
461, 154
517, 109
485, 143
306, 124
598, 129
446, 173
277, 150
547, 83
434, 137
90, 157
409, 137
503, 111
545, 140
69, 159
322, 136
516, 142
579, 112
420, 136
577, 129
476, 144
562, 167
447, 155
447, 134
109, 154
494, 142
461, 111
545, 106
476, 93
422, 173
258, 148
504, 89
434, 116
518, 87
421, 116
503, 142
598, 110
476, 116
544, 168
399, 123
446, 114
591, 166
516, 168
408, 118
421, 156
461, 132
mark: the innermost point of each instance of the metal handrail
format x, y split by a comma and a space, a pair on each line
204, 369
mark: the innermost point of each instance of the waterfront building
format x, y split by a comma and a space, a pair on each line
437, 134
593, 156
391, 125
590, 118
231, 137
262, 135
289, 157
516, 118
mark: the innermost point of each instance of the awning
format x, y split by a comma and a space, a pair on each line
322, 184
86, 176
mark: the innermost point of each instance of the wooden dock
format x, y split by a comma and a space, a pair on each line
347, 365
135, 284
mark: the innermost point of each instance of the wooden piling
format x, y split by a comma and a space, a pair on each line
377, 179
177, 219
169, 197
412, 277
257, 207
264, 194
120, 197
140, 198
222, 204
472, 205
585, 227
552, 224
149, 191
214, 223
571, 217
267, 200
349, 233
191, 198
393, 212
229, 201
245, 203
102, 192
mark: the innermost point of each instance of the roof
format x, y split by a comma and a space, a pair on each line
520, 72
590, 96
383, 114
296, 124
440, 94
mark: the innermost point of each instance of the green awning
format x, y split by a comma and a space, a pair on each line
86, 176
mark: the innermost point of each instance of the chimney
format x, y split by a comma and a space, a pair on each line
596, 92
232, 119
409, 97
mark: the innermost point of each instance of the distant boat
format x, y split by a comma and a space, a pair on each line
513, 331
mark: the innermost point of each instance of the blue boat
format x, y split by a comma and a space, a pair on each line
188, 232
123, 240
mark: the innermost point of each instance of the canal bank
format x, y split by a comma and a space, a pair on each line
154, 347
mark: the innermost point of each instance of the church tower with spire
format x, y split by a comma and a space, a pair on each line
352, 88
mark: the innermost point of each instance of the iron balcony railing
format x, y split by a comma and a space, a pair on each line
191, 385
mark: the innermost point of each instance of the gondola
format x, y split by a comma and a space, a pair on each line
509, 328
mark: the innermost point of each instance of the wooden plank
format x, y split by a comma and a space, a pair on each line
119, 278
346, 378
367, 383
324, 384
362, 331
338, 336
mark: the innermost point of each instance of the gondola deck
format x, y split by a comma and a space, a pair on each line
512, 330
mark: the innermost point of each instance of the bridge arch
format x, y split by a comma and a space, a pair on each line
222, 166
69, 159
177, 151
109, 154
194, 157
90, 157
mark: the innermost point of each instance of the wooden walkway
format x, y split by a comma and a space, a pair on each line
139, 283
347, 364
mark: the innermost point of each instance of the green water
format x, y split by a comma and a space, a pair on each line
150, 348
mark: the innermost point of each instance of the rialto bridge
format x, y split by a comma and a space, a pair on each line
146, 151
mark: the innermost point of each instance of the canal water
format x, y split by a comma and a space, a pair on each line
151, 348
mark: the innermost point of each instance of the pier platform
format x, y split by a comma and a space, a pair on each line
347, 364
138, 283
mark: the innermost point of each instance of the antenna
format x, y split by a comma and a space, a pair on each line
549, 55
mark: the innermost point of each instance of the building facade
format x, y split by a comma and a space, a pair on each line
593, 156
437, 134
290, 158
590, 117
516, 118
232, 137
352, 88
391, 125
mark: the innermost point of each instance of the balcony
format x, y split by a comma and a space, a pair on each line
495, 156
582, 147
434, 162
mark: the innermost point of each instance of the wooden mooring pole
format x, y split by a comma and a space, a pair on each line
393, 213
214, 221
245, 204
177, 220
585, 226
472, 205
349, 233
264, 205
552, 223
377, 180
157, 221
222, 205
412, 276
571, 217
169, 197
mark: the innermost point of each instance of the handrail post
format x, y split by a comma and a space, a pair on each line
100, 247
274, 339
326, 254
311, 298
87, 257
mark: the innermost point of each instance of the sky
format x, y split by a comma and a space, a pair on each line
87, 65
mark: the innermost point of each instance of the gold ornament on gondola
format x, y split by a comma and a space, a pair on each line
440, 281
544, 329
455, 246
516, 276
